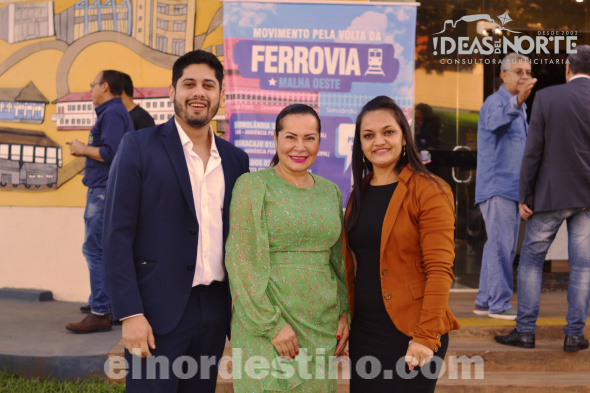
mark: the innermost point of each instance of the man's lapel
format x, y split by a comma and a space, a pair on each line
171, 141
229, 171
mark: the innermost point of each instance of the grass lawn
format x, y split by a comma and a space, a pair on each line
10, 383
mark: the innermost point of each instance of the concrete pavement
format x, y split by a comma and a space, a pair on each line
34, 342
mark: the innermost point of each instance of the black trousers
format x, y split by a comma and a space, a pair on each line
186, 359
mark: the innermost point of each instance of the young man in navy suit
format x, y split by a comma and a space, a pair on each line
166, 222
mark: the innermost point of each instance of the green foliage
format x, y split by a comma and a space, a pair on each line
10, 383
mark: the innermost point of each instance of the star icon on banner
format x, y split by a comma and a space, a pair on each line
272, 82
504, 18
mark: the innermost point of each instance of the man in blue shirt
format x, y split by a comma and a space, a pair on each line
501, 136
112, 122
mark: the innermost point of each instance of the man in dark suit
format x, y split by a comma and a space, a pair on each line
166, 222
555, 186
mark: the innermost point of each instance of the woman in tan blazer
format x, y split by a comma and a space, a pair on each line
399, 231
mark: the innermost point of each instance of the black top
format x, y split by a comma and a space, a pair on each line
141, 118
365, 242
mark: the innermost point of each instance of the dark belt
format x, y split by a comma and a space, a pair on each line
213, 285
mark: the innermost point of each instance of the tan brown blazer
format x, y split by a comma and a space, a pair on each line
417, 254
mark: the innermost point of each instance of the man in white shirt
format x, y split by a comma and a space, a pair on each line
166, 221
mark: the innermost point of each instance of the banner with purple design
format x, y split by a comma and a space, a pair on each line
332, 56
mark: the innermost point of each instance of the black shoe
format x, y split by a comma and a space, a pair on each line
85, 309
526, 340
574, 343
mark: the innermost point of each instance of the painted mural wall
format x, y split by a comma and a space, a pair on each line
49, 53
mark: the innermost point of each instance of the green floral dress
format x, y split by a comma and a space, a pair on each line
285, 265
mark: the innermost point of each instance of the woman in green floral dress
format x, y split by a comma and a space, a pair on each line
284, 260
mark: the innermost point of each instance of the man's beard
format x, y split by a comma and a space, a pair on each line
194, 121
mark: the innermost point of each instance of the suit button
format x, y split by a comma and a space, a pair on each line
387, 296
193, 232
190, 267
435, 349
384, 272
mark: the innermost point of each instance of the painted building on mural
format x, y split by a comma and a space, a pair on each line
26, 105
165, 25
90, 16
29, 158
155, 100
26, 21
76, 112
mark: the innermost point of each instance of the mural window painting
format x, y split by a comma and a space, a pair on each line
177, 46
162, 24
39, 154
180, 25
163, 9
28, 153
161, 43
51, 155
15, 153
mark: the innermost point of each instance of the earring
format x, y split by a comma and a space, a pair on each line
404, 151
363, 158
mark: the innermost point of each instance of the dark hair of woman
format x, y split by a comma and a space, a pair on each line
293, 109
361, 168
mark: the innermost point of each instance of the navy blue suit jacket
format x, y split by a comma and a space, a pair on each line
150, 224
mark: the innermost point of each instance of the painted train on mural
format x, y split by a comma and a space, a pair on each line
29, 158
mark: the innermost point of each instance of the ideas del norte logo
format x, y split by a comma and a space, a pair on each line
544, 42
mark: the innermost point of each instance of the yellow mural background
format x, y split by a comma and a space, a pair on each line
41, 68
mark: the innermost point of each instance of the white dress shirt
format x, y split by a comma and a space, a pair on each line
208, 188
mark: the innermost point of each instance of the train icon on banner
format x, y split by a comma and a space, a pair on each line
375, 62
